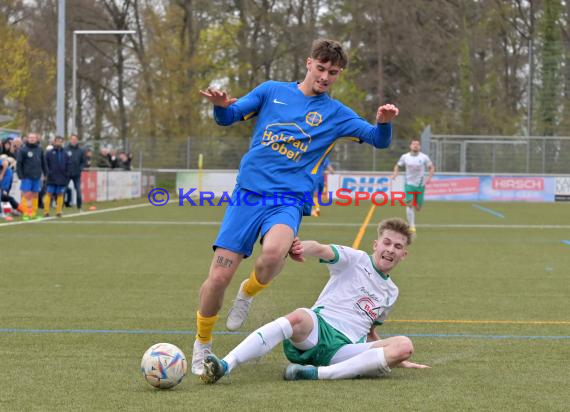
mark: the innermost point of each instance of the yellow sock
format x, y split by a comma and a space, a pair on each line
47, 203
252, 287
204, 327
59, 203
34, 205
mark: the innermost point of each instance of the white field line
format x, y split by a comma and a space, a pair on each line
77, 214
309, 224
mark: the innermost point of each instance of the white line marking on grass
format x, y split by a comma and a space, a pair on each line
56, 219
192, 332
135, 223
487, 210
331, 224
483, 322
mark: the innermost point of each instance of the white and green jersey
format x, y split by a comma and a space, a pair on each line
416, 166
357, 294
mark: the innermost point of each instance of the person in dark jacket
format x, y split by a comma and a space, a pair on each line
103, 160
30, 167
6, 147
78, 163
58, 165
125, 160
88, 157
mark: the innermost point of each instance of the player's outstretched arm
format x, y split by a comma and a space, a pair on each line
217, 97
300, 249
412, 365
373, 337
316, 249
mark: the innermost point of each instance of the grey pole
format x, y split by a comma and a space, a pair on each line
74, 85
60, 99
529, 103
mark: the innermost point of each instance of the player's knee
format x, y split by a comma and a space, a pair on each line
220, 278
301, 324
272, 257
405, 347
296, 317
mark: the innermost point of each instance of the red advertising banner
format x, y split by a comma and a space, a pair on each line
518, 183
453, 186
89, 186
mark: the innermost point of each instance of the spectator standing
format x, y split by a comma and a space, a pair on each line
78, 162
30, 168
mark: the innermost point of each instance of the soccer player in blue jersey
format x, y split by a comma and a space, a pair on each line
297, 125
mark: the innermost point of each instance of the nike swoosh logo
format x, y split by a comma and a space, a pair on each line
262, 340
278, 102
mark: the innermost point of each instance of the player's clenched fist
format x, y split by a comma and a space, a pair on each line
296, 251
386, 113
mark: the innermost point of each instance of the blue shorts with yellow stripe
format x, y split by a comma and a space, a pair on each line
250, 215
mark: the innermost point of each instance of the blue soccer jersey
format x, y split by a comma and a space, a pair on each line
292, 135
320, 186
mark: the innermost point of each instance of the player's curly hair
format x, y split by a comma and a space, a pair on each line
326, 50
397, 225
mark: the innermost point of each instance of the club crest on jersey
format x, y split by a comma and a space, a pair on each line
30, 154
314, 119
366, 305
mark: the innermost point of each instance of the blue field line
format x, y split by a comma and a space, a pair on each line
116, 331
192, 332
491, 211
566, 241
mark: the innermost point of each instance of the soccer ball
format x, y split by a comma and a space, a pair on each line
164, 365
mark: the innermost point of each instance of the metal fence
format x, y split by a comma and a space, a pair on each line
226, 153
500, 154
450, 153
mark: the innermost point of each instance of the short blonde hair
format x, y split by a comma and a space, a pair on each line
397, 225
